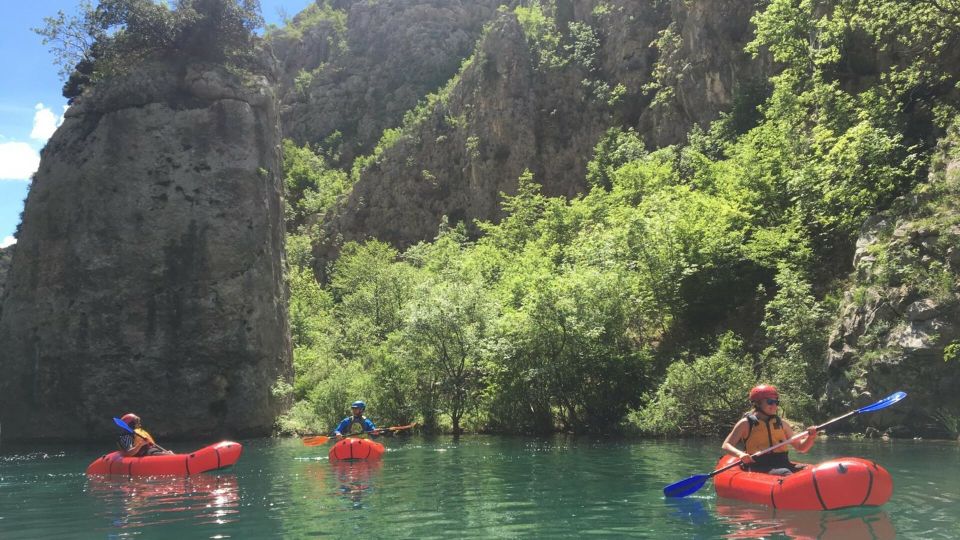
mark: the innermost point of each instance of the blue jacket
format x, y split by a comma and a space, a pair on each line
352, 424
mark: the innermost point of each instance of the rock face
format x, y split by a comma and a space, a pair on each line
148, 275
707, 69
510, 110
362, 65
6, 255
902, 308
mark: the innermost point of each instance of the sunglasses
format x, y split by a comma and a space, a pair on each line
773, 402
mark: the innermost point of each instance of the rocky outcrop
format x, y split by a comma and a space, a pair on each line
462, 156
902, 307
148, 273
510, 110
704, 68
358, 77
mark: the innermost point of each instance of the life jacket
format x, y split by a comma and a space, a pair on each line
764, 433
141, 441
356, 426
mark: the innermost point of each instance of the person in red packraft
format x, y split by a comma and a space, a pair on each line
762, 428
139, 443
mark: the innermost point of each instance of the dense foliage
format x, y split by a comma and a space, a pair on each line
682, 278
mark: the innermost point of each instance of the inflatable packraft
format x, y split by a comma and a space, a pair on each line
354, 448
216, 456
838, 483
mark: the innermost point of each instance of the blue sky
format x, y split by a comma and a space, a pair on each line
30, 102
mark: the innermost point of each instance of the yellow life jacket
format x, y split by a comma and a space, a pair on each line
764, 434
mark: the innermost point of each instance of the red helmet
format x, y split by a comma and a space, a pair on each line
762, 391
130, 419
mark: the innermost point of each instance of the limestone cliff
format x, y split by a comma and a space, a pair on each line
702, 69
899, 324
148, 275
517, 106
6, 255
356, 68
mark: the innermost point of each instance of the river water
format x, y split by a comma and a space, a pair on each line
476, 487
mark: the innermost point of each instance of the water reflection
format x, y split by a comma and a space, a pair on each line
689, 510
355, 479
144, 501
762, 522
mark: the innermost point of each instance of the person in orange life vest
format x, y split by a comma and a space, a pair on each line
762, 428
139, 443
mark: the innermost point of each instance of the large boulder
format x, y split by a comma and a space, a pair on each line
148, 273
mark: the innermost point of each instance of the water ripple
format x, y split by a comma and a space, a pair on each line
474, 487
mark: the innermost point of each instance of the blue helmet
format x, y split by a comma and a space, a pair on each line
359, 404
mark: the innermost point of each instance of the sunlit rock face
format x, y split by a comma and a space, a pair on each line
148, 275
513, 109
899, 321
357, 70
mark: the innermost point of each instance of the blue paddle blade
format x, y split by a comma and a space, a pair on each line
686, 487
122, 424
884, 403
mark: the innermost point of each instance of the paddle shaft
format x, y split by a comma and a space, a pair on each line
803, 434
323, 439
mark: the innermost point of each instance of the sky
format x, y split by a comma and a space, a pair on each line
31, 106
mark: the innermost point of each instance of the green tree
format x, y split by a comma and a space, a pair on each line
795, 328
448, 325
115, 35
370, 287
705, 397
312, 185
615, 149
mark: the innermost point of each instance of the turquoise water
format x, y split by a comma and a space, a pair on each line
477, 487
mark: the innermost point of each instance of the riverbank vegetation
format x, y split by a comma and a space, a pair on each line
651, 303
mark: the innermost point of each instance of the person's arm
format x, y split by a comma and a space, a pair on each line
737, 434
126, 444
369, 427
338, 432
803, 444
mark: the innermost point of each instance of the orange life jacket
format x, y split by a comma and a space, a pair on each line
765, 433
141, 440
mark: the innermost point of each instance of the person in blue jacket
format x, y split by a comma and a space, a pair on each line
356, 423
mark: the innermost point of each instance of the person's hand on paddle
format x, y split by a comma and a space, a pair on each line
810, 435
746, 458
338, 435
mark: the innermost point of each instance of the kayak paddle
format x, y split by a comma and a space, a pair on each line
318, 440
124, 425
690, 485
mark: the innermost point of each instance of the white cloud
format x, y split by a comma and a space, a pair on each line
45, 122
18, 161
8, 241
